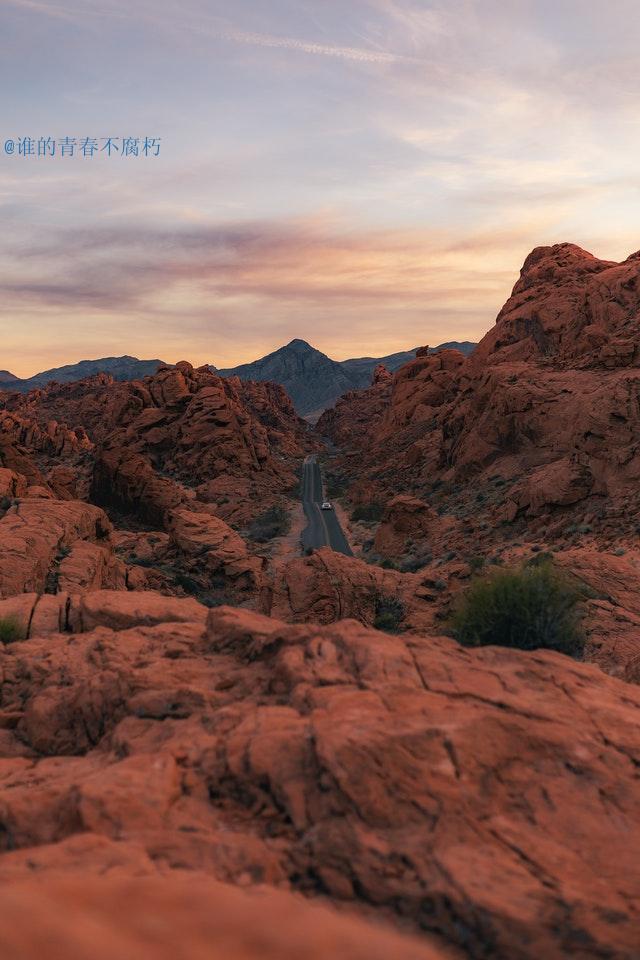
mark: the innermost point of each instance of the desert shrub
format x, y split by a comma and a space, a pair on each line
336, 485
186, 583
390, 612
414, 562
476, 563
540, 557
274, 522
529, 607
371, 512
10, 630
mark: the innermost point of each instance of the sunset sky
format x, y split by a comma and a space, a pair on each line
367, 175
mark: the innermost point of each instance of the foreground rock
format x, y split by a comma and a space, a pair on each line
487, 797
184, 918
328, 586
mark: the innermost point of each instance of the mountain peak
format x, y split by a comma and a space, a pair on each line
300, 346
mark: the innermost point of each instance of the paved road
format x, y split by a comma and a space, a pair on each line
323, 529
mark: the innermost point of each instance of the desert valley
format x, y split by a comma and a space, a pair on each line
277, 748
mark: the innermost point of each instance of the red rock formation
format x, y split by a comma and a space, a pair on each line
438, 784
182, 431
181, 451
570, 306
535, 437
51, 546
327, 586
356, 415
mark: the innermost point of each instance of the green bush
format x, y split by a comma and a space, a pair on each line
390, 612
371, 512
528, 608
10, 630
274, 522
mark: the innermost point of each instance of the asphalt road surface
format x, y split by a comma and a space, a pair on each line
323, 528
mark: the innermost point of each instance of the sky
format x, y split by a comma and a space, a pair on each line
368, 176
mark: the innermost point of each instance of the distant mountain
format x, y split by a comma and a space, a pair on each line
120, 368
310, 377
313, 380
7, 378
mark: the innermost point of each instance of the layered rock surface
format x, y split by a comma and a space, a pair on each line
436, 785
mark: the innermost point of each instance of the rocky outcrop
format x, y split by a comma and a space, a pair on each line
612, 618
178, 456
327, 586
356, 415
571, 306
49, 546
439, 785
181, 433
44, 615
534, 438
209, 542
406, 520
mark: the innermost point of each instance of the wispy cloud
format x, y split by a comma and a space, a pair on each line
204, 25
47, 9
358, 54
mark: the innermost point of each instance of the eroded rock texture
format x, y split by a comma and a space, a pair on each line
487, 798
530, 445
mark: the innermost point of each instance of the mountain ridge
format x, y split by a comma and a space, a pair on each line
121, 369
313, 380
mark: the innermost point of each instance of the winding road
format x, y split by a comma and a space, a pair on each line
323, 528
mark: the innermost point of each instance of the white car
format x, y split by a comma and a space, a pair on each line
326, 506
